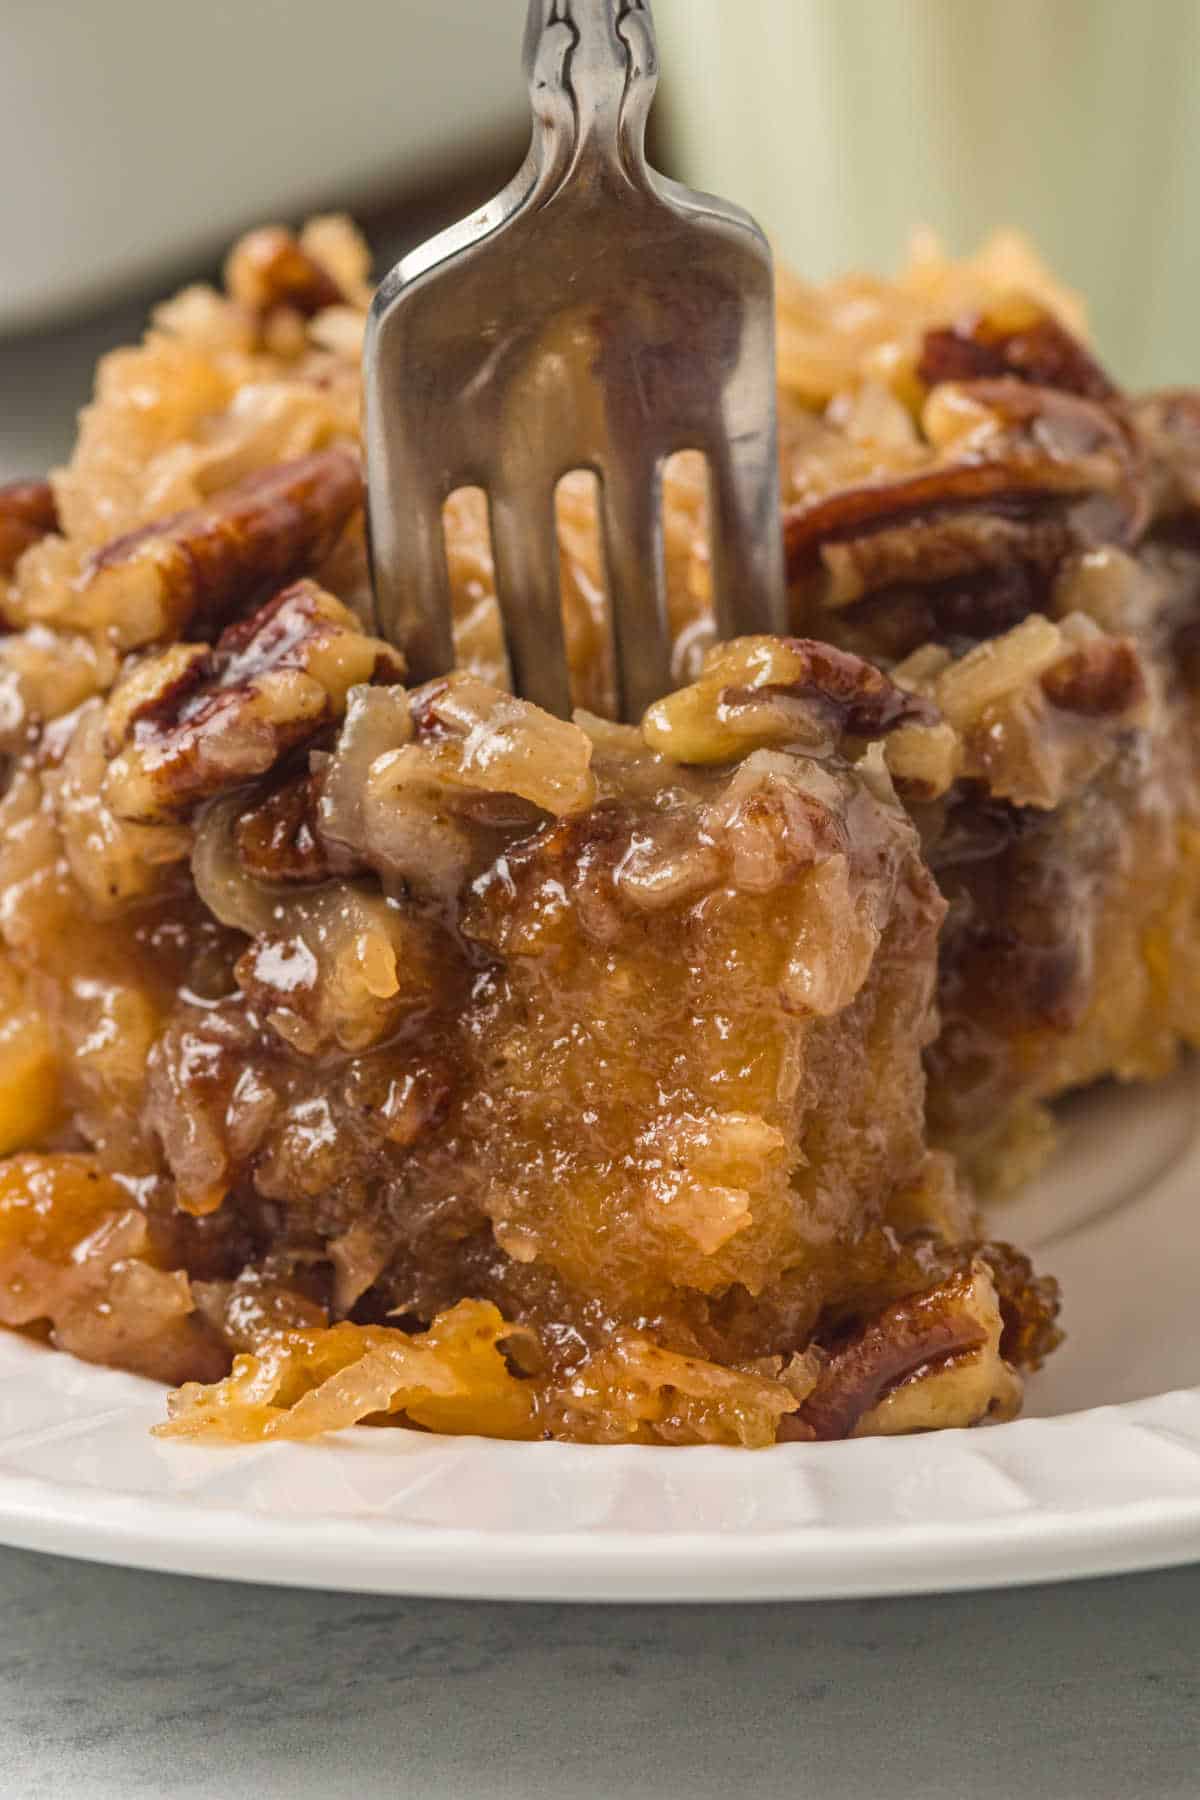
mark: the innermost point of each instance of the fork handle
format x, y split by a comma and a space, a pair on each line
592, 67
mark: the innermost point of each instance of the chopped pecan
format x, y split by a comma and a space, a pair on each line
270, 267
1053, 442
279, 840
191, 721
213, 560
115, 862
27, 513
756, 692
910, 1336
155, 687
1029, 1306
1102, 679
1020, 339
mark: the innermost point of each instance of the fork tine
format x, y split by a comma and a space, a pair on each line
749, 584
631, 507
525, 553
411, 578
585, 318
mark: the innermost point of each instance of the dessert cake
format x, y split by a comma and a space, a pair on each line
404, 1054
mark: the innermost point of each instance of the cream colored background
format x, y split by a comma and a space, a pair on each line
138, 134
141, 132
842, 123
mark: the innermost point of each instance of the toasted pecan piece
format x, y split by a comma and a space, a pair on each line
191, 721
911, 1339
1029, 1306
270, 268
1103, 679
756, 692
958, 563
1011, 567
202, 565
27, 513
279, 838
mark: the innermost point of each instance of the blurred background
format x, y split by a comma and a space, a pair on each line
146, 133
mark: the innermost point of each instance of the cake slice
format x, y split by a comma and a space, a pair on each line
405, 1054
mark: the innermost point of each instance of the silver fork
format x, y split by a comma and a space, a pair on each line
594, 315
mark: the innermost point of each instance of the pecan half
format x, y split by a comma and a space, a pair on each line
951, 557
27, 513
270, 268
1012, 459
189, 722
200, 566
1020, 339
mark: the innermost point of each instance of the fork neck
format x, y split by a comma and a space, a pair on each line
592, 67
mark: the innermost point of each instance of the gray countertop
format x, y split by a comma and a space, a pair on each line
115, 1684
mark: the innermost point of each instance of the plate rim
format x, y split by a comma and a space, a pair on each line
820, 1560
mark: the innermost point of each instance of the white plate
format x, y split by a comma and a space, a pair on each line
1101, 1475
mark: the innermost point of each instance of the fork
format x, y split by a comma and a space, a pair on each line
594, 315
